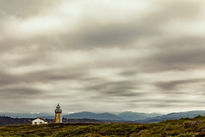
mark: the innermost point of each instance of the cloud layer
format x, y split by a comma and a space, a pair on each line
102, 56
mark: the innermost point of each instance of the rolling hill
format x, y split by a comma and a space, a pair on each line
171, 128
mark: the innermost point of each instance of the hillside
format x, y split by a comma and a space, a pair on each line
14, 121
176, 128
8, 121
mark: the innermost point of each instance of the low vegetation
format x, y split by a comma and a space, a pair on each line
178, 128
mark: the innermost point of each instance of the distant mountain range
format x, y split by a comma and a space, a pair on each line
28, 115
90, 115
122, 117
133, 116
173, 116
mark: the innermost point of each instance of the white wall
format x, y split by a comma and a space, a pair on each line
38, 122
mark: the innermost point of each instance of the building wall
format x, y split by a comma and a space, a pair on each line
39, 122
58, 118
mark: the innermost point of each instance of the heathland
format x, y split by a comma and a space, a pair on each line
185, 127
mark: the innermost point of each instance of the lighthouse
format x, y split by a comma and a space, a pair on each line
58, 112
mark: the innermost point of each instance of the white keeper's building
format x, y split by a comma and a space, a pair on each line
39, 121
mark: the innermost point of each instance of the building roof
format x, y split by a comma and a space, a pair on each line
41, 119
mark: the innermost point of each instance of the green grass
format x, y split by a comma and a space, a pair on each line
177, 128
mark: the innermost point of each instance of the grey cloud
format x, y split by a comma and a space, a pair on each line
181, 9
24, 8
128, 73
123, 35
7, 79
20, 92
167, 53
175, 58
111, 88
95, 35
55, 75
172, 85
44, 76
112, 35
88, 37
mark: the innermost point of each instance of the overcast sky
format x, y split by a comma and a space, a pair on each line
102, 55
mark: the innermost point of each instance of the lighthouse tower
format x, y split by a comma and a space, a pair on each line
58, 112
